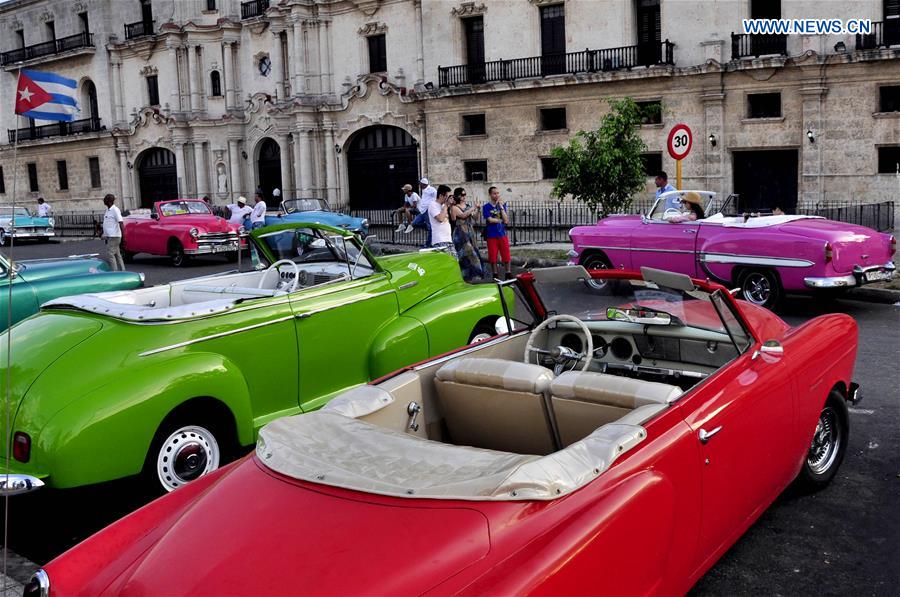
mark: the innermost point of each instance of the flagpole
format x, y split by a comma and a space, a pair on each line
7, 428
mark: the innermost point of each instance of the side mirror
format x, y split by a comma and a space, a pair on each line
154, 216
772, 347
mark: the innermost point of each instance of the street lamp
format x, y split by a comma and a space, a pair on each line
810, 136
712, 139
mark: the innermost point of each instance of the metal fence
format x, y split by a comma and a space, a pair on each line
77, 224
549, 221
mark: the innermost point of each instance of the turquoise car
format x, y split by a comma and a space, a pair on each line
37, 281
316, 211
17, 222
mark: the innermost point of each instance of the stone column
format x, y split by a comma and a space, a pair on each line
420, 48
317, 64
192, 77
325, 56
235, 157
179, 169
284, 150
228, 59
713, 157
299, 87
281, 65
302, 156
119, 116
812, 187
125, 180
331, 185
200, 171
176, 100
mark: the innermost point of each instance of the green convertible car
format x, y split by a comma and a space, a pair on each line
36, 281
172, 380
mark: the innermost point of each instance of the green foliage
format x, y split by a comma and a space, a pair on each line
603, 168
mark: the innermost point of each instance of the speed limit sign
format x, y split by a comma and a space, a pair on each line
680, 141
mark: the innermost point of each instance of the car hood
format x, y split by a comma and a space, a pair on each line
36, 343
42, 269
204, 223
30, 221
251, 531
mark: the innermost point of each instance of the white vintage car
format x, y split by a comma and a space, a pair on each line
17, 222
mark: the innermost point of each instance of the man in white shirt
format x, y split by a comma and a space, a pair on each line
258, 214
239, 211
663, 186
428, 196
43, 208
439, 220
410, 206
113, 231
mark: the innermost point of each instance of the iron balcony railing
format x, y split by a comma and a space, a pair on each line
254, 8
139, 29
86, 125
586, 61
884, 35
745, 45
48, 48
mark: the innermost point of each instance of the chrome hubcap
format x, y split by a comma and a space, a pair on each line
826, 442
479, 338
757, 289
594, 263
186, 455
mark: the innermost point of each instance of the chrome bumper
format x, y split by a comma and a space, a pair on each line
208, 249
31, 234
857, 278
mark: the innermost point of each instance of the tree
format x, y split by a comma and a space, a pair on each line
603, 168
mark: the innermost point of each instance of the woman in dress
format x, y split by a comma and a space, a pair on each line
462, 217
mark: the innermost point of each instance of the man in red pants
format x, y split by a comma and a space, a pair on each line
496, 220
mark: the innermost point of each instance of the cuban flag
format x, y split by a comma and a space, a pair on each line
46, 96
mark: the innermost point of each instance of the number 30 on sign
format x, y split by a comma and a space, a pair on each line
680, 141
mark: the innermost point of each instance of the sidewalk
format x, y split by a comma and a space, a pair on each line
18, 571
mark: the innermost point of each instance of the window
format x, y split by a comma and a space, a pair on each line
94, 167
652, 163
888, 159
553, 119
377, 54
153, 90
62, 173
2, 182
474, 32
32, 177
20, 37
215, 84
890, 99
146, 11
553, 39
549, 168
765, 9
210, 4
476, 171
51, 30
85, 26
473, 124
651, 112
763, 105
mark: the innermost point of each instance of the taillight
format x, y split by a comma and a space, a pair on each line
21, 446
828, 253
893, 245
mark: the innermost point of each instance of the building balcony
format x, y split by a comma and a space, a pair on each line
48, 48
254, 8
587, 61
59, 129
884, 35
745, 45
139, 29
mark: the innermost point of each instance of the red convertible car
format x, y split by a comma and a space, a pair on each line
181, 229
618, 440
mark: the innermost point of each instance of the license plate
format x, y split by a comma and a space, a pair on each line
877, 275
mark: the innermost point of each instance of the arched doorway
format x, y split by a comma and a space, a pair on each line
157, 178
380, 160
89, 104
269, 168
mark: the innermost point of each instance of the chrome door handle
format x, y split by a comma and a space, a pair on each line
705, 435
408, 285
690, 231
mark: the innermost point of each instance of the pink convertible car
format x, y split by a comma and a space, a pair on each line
765, 255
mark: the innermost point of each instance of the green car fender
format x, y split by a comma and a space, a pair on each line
111, 438
399, 343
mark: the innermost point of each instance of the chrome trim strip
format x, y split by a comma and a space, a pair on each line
753, 260
408, 285
858, 269
214, 336
367, 297
640, 249
834, 282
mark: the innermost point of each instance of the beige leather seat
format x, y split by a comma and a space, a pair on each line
497, 404
583, 401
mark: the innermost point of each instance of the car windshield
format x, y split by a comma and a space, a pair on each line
309, 245
636, 301
7, 211
180, 208
297, 205
670, 205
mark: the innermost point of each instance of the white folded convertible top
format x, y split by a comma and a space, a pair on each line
330, 448
755, 221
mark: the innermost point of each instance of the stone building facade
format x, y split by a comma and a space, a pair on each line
350, 99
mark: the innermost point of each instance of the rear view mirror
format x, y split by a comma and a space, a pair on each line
639, 315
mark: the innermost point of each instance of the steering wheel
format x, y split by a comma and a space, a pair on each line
562, 354
281, 285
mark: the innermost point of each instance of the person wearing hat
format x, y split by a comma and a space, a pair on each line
429, 194
691, 209
410, 206
239, 211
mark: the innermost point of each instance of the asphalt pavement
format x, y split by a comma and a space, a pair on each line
842, 540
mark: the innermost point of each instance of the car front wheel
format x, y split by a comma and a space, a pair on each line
760, 287
828, 445
595, 261
176, 254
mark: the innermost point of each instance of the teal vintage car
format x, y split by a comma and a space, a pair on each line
36, 281
17, 222
174, 380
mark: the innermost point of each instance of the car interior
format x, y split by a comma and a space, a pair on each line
509, 396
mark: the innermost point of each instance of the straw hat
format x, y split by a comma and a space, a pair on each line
693, 197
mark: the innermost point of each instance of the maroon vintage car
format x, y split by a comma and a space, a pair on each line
180, 228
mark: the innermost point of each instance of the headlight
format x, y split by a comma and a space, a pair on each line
50, 222
365, 223
38, 585
194, 233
